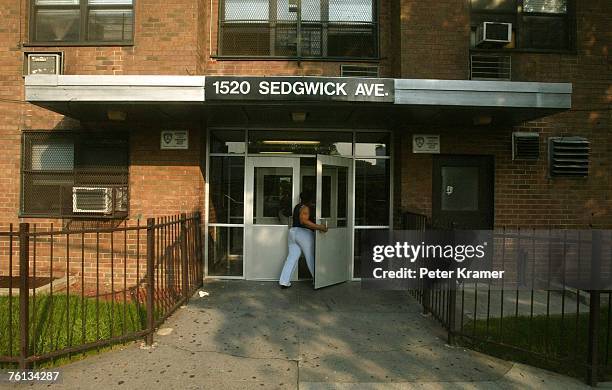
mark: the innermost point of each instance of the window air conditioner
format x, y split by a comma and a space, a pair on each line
493, 34
43, 63
95, 200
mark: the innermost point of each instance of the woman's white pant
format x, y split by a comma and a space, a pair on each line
300, 241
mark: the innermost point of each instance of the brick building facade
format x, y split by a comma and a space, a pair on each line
414, 41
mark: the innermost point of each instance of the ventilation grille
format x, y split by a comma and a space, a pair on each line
358, 71
490, 67
569, 157
525, 146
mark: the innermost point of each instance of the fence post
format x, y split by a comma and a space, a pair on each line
452, 298
199, 249
184, 257
592, 362
150, 278
594, 308
24, 293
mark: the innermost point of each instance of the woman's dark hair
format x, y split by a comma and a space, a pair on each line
306, 196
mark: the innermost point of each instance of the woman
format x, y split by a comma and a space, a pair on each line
301, 238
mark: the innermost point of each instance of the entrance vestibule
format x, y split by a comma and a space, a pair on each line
254, 179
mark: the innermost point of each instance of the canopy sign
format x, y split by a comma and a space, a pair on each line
311, 89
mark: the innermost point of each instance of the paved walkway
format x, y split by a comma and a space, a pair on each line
255, 335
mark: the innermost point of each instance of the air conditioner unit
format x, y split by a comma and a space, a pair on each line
94, 200
493, 34
43, 63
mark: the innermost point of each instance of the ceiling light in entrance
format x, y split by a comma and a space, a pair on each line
290, 142
298, 116
116, 115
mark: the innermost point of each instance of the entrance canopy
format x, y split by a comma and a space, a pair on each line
239, 100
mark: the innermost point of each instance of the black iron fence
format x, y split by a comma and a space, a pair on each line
69, 290
540, 322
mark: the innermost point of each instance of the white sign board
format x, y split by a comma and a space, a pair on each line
425, 143
174, 139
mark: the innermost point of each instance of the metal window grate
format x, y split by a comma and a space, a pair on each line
545, 6
66, 174
298, 29
490, 67
359, 70
525, 146
569, 157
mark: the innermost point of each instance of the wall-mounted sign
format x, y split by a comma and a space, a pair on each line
299, 89
425, 143
175, 139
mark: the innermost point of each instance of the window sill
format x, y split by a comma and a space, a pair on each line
526, 51
77, 44
279, 58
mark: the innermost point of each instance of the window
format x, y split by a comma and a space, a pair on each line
536, 24
317, 29
67, 175
77, 21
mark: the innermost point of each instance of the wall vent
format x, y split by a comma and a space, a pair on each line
359, 71
568, 156
490, 67
525, 146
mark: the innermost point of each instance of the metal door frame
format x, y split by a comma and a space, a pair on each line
391, 157
347, 162
249, 206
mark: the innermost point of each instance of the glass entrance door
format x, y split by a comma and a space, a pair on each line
272, 188
333, 207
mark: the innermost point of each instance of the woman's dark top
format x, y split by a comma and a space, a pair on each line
296, 216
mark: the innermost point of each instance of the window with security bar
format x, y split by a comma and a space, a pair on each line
68, 175
79, 21
298, 28
538, 25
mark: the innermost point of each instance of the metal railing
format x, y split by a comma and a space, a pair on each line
414, 221
66, 291
543, 323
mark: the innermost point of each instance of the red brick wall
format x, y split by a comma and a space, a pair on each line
162, 183
524, 195
165, 182
417, 41
435, 39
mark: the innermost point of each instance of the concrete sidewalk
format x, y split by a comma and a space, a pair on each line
255, 335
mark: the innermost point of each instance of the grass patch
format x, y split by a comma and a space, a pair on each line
554, 343
62, 321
